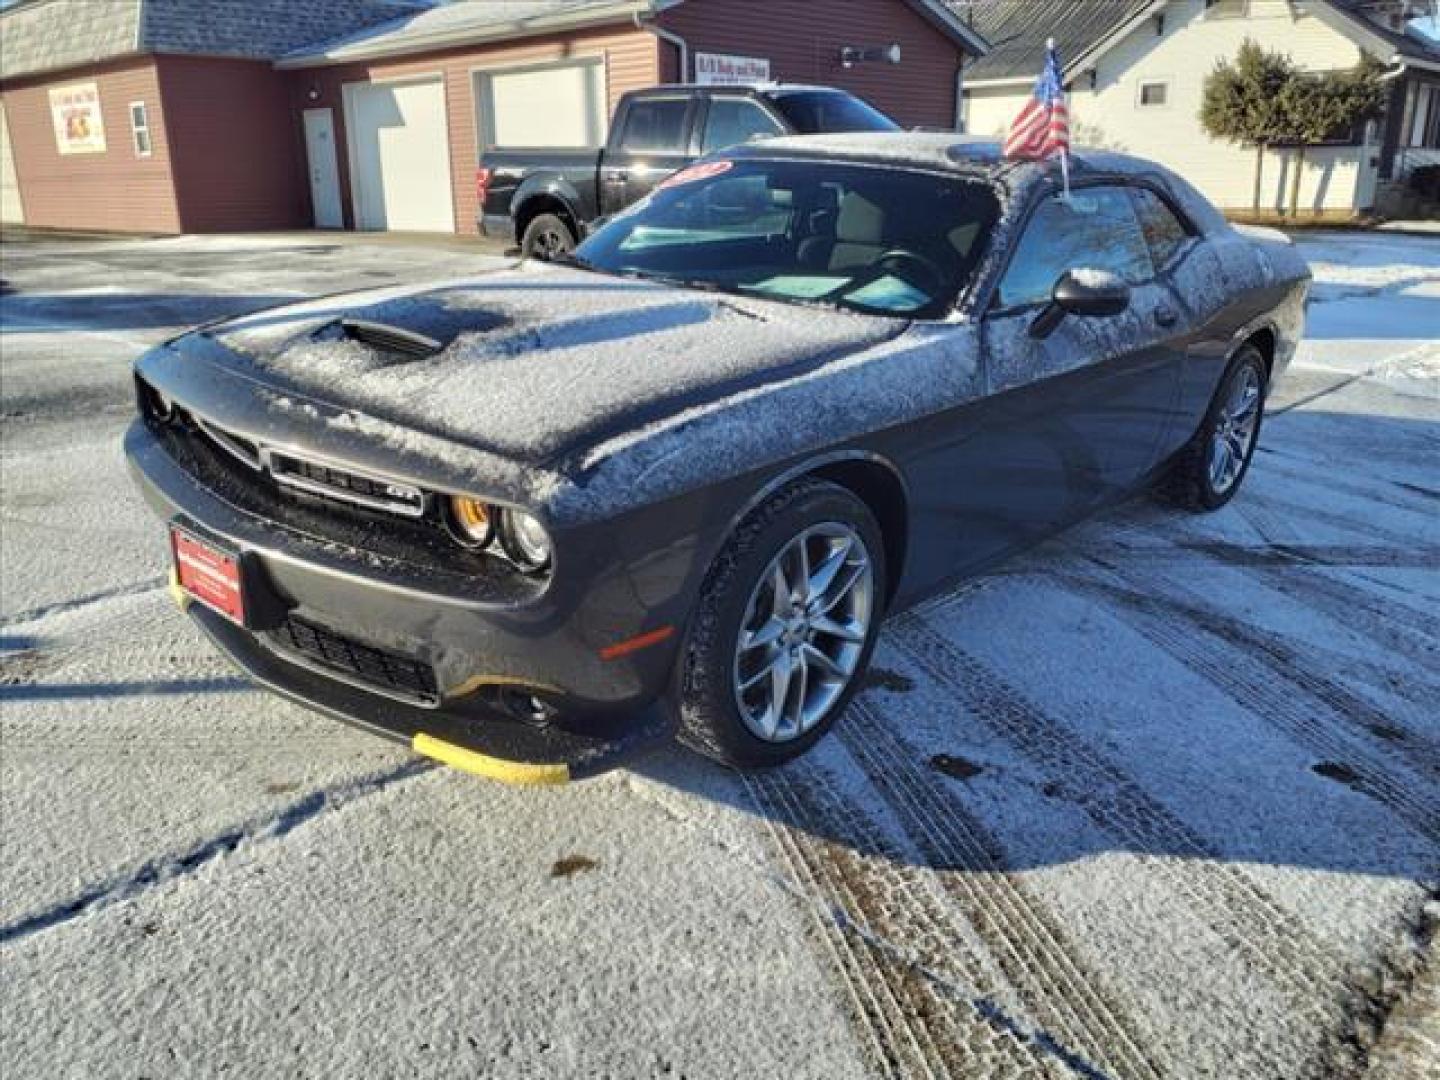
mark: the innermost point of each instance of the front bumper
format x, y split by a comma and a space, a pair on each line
492, 652
494, 746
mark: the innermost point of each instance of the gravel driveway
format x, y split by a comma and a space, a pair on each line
1159, 799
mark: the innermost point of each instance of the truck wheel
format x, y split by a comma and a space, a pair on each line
547, 237
786, 625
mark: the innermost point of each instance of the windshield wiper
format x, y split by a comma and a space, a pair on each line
665, 279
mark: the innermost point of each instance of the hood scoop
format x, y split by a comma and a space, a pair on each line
382, 336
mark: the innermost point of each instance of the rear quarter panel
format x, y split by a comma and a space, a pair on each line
1234, 288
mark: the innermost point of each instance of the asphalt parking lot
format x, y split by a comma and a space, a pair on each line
1159, 799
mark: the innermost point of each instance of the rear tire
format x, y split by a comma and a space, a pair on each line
547, 237
1207, 473
815, 638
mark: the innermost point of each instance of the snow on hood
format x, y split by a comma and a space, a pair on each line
538, 362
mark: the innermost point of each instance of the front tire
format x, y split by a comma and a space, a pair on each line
547, 237
1208, 472
786, 626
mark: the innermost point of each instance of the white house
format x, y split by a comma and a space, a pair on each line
1136, 72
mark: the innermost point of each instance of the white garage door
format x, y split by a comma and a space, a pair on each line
551, 106
400, 156
11, 212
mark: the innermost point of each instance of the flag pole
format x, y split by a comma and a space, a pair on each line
1064, 150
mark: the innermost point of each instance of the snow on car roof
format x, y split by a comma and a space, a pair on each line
930, 149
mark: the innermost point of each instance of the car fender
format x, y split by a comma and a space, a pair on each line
793, 471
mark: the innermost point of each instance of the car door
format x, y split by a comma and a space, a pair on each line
1073, 419
1173, 240
653, 141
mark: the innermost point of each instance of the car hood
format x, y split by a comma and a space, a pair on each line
536, 363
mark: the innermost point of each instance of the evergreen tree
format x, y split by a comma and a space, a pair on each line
1243, 102
1324, 108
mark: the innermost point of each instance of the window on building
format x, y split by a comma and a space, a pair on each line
733, 121
1422, 117
1094, 229
1227, 9
140, 128
1163, 231
656, 124
1154, 94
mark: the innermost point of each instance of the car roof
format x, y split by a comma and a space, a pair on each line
740, 88
944, 150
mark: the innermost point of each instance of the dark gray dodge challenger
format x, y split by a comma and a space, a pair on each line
533, 521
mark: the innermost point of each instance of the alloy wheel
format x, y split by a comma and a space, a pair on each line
804, 632
1236, 424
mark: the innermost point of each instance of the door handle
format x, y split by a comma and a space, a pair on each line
1166, 317
619, 176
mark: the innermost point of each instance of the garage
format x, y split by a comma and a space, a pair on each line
559, 106
400, 155
11, 211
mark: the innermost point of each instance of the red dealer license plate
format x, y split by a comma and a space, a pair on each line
209, 574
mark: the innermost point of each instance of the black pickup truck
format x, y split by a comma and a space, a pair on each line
549, 198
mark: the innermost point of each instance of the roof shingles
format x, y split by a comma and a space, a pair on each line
48, 35
51, 34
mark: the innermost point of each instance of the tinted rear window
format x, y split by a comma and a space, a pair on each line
815, 111
656, 124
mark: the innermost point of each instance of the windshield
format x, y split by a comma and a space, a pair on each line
878, 240
813, 111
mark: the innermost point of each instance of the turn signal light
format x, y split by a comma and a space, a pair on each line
472, 521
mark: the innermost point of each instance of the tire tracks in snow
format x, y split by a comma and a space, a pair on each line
1272, 942
1396, 630
1029, 946
1281, 689
161, 871
924, 1011
1400, 630
138, 588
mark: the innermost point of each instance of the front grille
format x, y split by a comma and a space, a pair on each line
370, 667
345, 485
313, 478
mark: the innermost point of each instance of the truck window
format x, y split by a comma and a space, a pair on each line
655, 124
811, 111
733, 121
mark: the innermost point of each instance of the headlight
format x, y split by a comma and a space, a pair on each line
472, 522
525, 540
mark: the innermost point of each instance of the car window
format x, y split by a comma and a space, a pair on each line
1163, 230
735, 206
733, 121
1095, 228
881, 241
656, 124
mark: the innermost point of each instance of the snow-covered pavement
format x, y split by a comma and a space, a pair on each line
1160, 798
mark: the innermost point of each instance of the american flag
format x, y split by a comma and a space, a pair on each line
1043, 127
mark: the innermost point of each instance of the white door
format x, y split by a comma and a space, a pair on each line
552, 105
400, 156
11, 211
324, 168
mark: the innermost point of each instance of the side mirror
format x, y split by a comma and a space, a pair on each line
1087, 294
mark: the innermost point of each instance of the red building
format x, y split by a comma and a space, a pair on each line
208, 115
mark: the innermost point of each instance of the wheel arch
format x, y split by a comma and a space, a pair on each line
544, 200
1265, 340
872, 479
